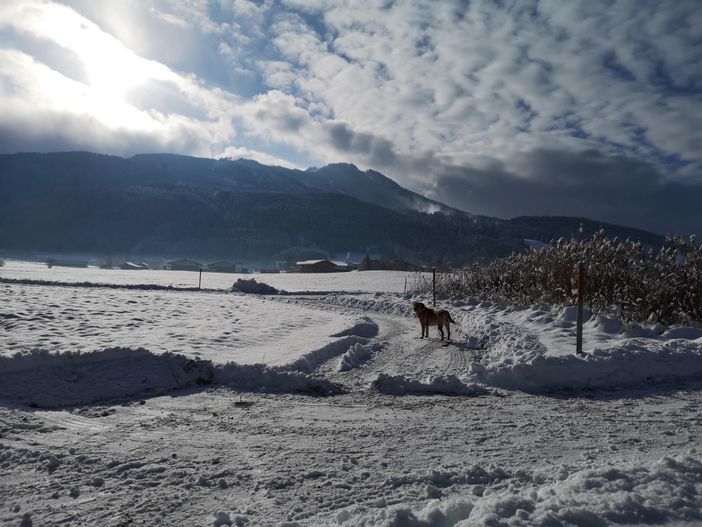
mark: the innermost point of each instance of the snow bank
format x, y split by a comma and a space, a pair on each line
356, 335
632, 363
380, 302
364, 327
251, 286
524, 351
312, 360
50, 380
440, 385
358, 354
39, 378
663, 492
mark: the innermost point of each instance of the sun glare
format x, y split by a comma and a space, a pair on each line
112, 69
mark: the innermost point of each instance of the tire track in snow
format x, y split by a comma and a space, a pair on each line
404, 353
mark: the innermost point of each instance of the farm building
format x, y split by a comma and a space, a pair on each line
51, 262
317, 266
134, 266
183, 265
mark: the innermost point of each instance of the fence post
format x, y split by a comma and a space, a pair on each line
433, 284
581, 294
199, 282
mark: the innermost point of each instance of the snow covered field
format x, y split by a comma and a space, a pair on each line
131, 407
222, 326
367, 281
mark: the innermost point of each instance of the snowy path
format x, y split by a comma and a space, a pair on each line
360, 458
404, 353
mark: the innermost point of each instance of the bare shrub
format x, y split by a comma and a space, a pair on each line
621, 278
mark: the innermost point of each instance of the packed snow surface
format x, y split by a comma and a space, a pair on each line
155, 407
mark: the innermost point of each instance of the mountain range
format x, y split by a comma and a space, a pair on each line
164, 205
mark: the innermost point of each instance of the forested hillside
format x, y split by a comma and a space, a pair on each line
170, 206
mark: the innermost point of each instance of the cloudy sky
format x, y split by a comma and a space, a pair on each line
503, 108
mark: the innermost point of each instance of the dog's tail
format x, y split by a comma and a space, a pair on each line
451, 319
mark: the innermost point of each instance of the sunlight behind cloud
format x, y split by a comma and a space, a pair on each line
111, 67
73, 97
113, 73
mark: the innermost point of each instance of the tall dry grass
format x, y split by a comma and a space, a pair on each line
621, 278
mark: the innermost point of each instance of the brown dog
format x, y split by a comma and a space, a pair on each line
429, 317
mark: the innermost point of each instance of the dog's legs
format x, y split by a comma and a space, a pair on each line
448, 330
441, 330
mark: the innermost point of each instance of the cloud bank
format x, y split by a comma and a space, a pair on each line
526, 107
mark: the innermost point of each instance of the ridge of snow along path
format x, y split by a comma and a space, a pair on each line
479, 431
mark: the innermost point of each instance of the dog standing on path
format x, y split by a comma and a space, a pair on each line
430, 317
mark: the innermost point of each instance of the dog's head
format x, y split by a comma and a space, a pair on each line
418, 307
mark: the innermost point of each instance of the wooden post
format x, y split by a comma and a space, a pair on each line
433, 284
581, 294
199, 282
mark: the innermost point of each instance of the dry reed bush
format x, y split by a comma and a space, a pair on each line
622, 279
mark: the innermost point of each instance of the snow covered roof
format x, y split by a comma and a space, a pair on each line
312, 262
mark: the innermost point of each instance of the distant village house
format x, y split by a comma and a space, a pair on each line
134, 266
60, 262
317, 266
184, 265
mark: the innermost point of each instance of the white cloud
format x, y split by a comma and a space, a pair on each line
497, 82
